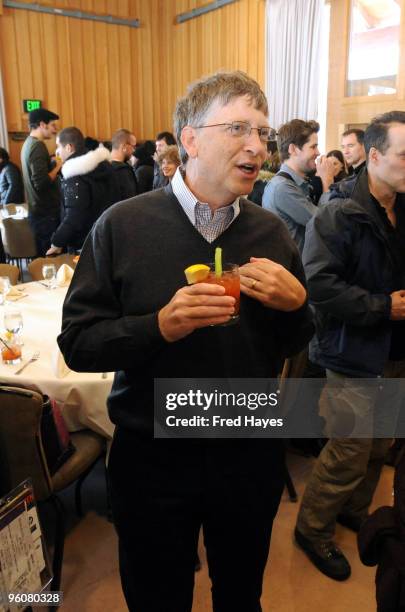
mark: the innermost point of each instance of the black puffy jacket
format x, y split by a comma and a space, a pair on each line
88, 187
11, 185
351, 272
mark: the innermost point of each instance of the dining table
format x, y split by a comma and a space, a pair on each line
81, 396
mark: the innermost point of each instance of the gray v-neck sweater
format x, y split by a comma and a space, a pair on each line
131, 266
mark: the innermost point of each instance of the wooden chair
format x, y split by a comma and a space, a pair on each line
18, 241
35, 267
22, 456
11, 271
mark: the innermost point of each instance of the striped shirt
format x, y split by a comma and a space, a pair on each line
209, 224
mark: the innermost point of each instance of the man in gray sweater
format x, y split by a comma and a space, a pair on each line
39, 175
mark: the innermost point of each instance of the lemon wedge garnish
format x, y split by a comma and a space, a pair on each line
196, 273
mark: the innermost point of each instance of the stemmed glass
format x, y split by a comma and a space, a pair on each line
13, 322
49, 274
4, 288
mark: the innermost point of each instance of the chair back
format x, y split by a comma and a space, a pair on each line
18, 238
35, 267
21, 452
11, 271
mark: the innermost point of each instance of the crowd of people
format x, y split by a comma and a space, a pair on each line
67, 192
322, 281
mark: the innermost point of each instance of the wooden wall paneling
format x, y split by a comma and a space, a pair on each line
64, 67
10, 70
243, 38
136, 74
115, 75
158, 77
252, 50
50, 62
90, 45
34, 42
145, 87
230, 34
24, 59
261, 42
125, 77
76, 81
103, 124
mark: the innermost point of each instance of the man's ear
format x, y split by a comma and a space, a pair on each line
292, 149
374, 155
189, 141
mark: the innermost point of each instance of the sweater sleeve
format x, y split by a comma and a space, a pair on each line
39, 165
326, 257
96, 336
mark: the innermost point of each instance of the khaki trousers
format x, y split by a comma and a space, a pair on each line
347, 471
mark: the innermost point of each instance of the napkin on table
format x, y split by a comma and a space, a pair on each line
64, 275
15, 294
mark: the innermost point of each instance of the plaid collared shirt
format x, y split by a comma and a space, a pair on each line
209, 224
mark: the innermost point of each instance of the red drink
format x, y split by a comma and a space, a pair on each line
230, 280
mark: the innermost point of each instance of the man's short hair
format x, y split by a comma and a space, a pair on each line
167, 137
222, 86
296, 132
40, 114
171, 154
376, 134
357, 132
120, 137
4, 155
73, 136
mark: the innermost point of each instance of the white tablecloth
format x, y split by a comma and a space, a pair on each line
83, 396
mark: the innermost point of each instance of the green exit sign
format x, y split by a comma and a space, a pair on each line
30, 105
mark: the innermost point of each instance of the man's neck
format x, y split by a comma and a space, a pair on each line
359, 163
290, 163
37, 134
117, 156
382, 192
201, 190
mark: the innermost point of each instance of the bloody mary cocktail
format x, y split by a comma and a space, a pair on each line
230, 280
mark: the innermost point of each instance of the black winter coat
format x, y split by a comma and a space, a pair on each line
11, 185
88, 188
125, 179
350, 272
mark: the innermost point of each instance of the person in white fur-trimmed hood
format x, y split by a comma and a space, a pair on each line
88, 187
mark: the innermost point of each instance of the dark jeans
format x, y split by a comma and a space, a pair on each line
163, 491
43, 228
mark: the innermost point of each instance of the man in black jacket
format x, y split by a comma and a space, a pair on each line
354, 258
11, 185
123, 147
129, 310
88, 188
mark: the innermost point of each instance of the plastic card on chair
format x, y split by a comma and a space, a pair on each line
24, 563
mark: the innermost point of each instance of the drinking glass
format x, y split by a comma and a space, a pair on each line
11, 354
49, 274
230, 280
13, 322
4, 288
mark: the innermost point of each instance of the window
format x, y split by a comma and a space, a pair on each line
373, 47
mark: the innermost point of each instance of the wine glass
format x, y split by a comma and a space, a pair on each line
49, 274
13, 322
4, 288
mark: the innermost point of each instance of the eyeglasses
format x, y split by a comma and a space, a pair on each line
242, 128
